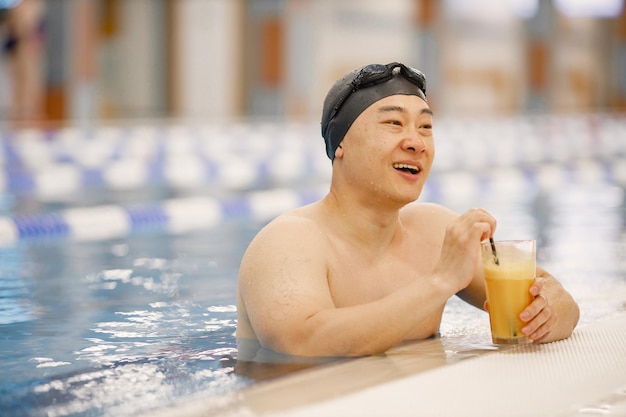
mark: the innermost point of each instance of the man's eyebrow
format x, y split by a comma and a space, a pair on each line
392, 108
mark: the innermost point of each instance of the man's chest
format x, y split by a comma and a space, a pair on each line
357, 278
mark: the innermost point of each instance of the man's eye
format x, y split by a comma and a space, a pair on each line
427, 126
394, 122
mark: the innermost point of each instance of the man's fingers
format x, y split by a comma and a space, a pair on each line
538, 304
539, 318
537, 286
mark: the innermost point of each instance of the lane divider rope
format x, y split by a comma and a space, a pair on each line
180, 215
241, 157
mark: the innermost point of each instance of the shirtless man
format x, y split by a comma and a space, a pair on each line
363, 269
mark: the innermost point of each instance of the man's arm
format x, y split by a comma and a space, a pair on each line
283, 284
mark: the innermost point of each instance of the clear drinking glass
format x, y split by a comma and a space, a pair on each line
509, 272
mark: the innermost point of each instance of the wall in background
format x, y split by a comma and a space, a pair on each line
225, 59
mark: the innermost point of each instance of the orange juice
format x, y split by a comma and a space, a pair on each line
508, 294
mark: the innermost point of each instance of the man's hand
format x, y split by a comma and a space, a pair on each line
460, 254
553, 314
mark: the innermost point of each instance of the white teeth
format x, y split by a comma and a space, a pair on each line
406, 166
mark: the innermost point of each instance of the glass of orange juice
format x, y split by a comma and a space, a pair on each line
509, 272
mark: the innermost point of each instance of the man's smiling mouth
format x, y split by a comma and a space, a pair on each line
407, 168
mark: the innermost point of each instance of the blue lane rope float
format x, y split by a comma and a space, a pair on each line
242, 157
183, 171
178, 215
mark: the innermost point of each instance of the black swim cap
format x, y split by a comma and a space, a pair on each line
359, 89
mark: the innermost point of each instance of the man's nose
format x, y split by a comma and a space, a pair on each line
414, 143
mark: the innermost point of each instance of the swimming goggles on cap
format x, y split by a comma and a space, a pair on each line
378, 73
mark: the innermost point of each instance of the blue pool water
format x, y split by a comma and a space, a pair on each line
111, 328
118, 324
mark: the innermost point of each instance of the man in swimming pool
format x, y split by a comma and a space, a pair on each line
365, 267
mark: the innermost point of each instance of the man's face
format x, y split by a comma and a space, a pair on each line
389, 148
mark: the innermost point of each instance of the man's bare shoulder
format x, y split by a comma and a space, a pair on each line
288, 230
429, 215
302, 218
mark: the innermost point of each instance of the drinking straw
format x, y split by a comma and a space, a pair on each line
493, 249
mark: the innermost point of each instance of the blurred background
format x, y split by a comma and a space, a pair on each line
87, 61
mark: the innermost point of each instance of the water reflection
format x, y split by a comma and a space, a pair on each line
143, 360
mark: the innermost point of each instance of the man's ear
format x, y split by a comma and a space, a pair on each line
339, 152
